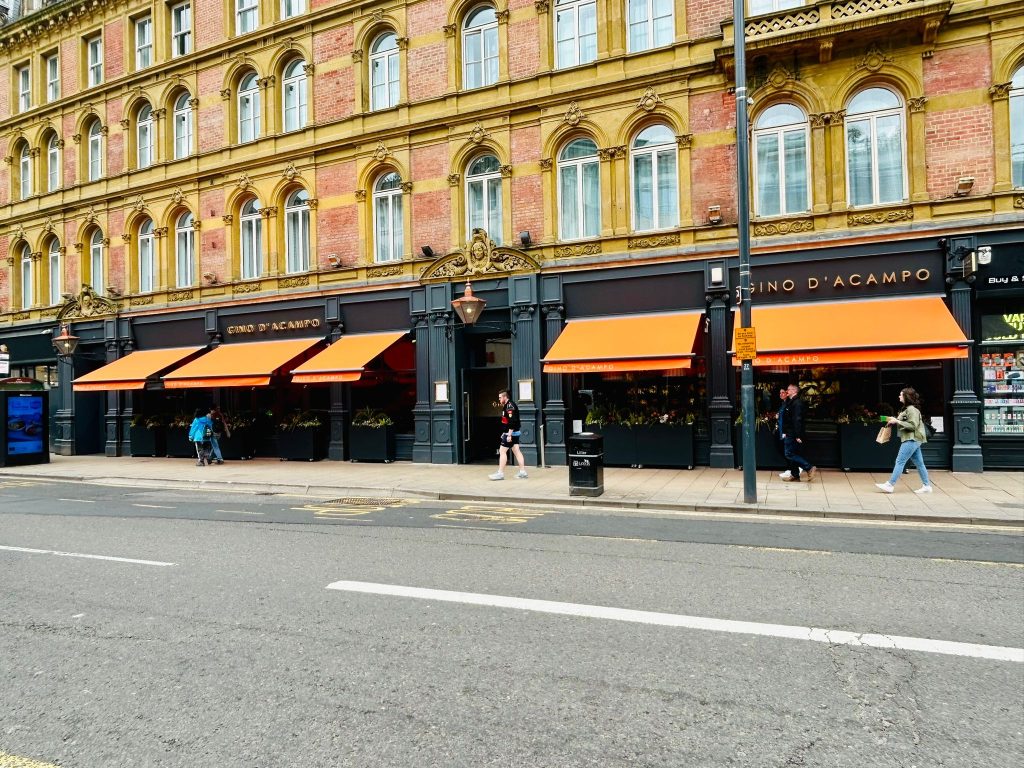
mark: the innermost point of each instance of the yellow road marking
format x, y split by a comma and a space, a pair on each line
17, 484
332, 510
13, 761
487, 514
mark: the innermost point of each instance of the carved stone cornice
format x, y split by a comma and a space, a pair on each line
684, 140
917, 103
479, 257
541, 6
890, 216
583, 249
653, 241
786, 227
159, 114
502, 16
1000, 91
160, 232
87, 303
269, 212
301, 281
610, 153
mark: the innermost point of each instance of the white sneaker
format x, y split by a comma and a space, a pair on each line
496, 476
885, 487
521, 474
785, 475
924, 489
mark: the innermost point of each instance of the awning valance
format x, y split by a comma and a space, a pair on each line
863, 331
133, 371
345, 359
625, 343
239, 365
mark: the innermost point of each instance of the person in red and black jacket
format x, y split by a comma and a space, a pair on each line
510, 433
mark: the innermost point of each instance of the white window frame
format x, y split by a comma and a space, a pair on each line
27, 294
648, 23
669, 147
94, 59
54, 271
143, 42
484, 181
293, 97
579, 202
872, 118
96, 261
249, 100
144, 137
25, 173
247, 16
780, 132
388, 202
52, 65
24, 77
147, 257
53, 164
95, 151
184, 251
182, 126
181, 29
290, 8
573, 8
385, 91
762, 7
296, 228
487, 66
250, 237
1016, 106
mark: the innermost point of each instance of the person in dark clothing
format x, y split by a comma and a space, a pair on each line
221, 428
793, 435
792, 470
510, 433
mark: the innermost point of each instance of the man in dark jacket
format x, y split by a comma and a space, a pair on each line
509, 440
791, 469
793, 418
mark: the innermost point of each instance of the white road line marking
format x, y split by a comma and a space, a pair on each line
80, 501
152, 506
831, 636
238, 512
88, 557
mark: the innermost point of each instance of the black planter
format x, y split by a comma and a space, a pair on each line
858, 449
302, 444
371, 443
664, 445
768, 449
619, 445
147, 442
178, 445
240, 445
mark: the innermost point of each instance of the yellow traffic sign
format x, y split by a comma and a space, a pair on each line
746, 344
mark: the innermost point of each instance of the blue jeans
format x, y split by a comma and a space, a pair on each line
910, 449
793, 458
215, 446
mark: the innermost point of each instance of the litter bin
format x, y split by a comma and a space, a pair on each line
586, 464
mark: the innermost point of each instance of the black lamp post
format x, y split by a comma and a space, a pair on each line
66, 343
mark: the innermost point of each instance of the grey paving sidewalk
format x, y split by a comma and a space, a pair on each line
994, 498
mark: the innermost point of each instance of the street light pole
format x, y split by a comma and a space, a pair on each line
743, 246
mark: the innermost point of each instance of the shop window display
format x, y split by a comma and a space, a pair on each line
1002, 374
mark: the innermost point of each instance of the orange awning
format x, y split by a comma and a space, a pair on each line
239, 365
865, 331
625, 343
345, 359
132, 371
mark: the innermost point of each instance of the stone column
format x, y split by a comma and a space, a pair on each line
554, 398
64, 419
421, 411
524, 361
966, 406
720, 407
444, 433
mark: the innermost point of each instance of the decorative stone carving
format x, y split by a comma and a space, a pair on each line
140, 301
228, 219
825, 46
873, 59
450, 30
407, 186
268, 212
290, 171
453, 179
187, 295
880, 217
573, 115
160, 232
194, 102
502, 16
77, 138
917, 103
505, 171
87, 303
546, 163
139, 205
104, 130
654, 241
999, 91
125, 122
1018, 201
309, 69
266, 82
357, 56
244, 182
313, 203
779, 76
225, 94
389, 271
684, 140
159, 114
649, 101
478, 134
60, 143
177, 196
126, 237
381, 153
541, 6
610, 153
402, 43
480, 257
197, 223
586, 249
818, 119
786, 227
293, 282
247, 288
360, 195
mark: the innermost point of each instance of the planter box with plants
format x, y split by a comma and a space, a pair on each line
371, 437
147, 436
303, 437
242, 443
178, 445
858, 449
641, 440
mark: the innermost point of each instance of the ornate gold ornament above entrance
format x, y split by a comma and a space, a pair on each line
87, 303
480, 257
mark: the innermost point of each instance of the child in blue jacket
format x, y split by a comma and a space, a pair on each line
199, 433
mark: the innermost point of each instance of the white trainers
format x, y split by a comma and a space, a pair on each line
924, 489
885, 487
785, 475
521, 474
496, 476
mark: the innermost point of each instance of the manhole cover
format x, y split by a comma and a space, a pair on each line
364, 502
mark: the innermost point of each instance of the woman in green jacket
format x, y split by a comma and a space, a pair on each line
910, 427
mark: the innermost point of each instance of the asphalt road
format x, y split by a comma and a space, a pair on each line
147, 628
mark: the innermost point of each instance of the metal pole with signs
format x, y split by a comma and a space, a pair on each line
743, 246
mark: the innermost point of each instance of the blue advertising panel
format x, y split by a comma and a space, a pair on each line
26, 425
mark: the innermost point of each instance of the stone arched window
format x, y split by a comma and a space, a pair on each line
248, 108
96, 261
26, 277
54, 270
1017, 128
147, 257
876, 164
250, 231
144, 145
480, 48
185, 250
53, 163
385, 74
296, 232
182, 120
26, 188
388, 222
293, 96
483, 197
654, 171
579, 190
94, 150
781, 177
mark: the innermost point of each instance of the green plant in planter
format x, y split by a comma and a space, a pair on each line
180, 420
857, 414
147, 422
241, 419
300, 420
369, 417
